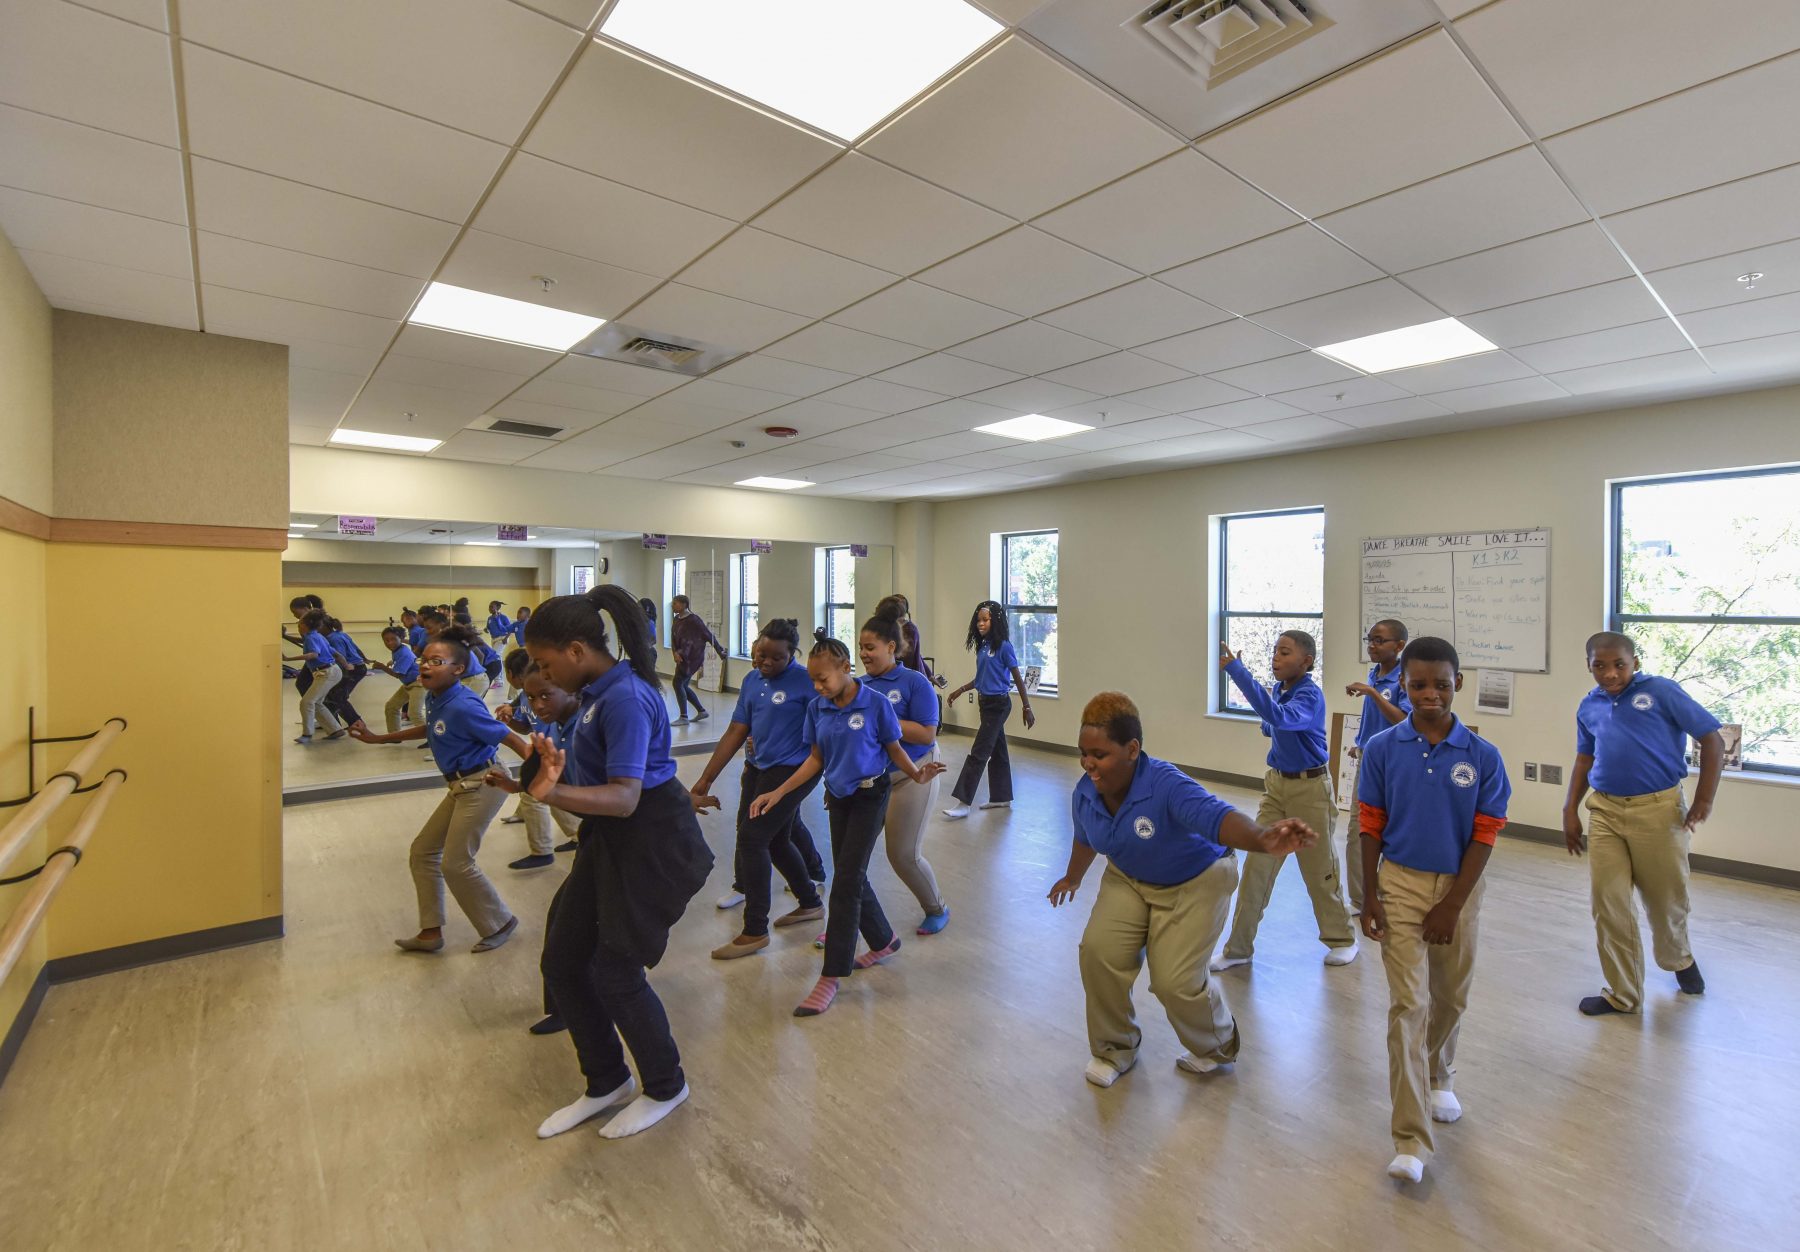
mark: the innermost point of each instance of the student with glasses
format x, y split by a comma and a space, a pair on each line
1384, 704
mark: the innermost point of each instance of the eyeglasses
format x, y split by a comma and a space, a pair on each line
432, 662
1377, 639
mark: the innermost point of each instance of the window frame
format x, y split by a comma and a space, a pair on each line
740, 628
1222, 620
675, 574
1621, 622
828, 606
1013, 610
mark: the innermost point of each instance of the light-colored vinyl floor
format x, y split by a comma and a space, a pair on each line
327, 1092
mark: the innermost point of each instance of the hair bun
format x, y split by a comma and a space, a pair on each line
821, 634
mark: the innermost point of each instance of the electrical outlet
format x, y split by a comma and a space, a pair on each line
1551, 774
1531, 771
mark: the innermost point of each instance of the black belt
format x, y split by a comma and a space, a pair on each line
477, 772
1317, 771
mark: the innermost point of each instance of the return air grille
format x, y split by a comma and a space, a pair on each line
506, 426
1216, 39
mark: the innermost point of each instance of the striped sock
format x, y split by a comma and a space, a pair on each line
823, 993
872, 958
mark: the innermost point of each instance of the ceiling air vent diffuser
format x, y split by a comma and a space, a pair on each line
658, 351
507, 426
1215, 39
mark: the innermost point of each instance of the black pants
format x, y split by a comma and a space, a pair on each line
768, 840
856, 821
338, 698
684, 690
303, 679
800, 836
603, 995
989, 752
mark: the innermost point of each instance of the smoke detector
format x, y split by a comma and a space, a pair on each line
1217, 39
780, 432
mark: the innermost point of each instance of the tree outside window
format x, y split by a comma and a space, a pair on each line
1271, 580
1028, 578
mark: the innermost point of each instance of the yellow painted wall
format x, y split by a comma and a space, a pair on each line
22, 686
193, 840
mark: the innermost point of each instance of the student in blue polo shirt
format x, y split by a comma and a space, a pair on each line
355, 666
1165, 894
852, 734
404, 667
1383, 705
996, 673
416, 638
771, 715
462, 734
540, 820
1631, 736
321, 663
1432, 800
641, 857
915, 700
1297, 784
499, 625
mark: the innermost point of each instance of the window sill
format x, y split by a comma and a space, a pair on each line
1247, 719
1756, 777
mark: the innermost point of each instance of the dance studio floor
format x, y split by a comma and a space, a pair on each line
327, 1091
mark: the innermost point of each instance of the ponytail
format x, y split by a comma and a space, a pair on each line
564, 620
886, 629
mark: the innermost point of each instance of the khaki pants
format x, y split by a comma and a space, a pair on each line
444, 852
1308, 799
542, 822
476, 682
1177, 928
410, 697
312, 702
1428, 988
909, 808
1638, 841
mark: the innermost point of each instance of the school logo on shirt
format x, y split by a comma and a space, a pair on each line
1643, 702
1463, 775
437, 727
588, 715
1144, 828
894, 696
856, 721
780, 697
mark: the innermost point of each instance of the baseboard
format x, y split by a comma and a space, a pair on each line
169, 948
21, 1023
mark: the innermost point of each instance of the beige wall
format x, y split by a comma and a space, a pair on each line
25, 385
441, 555
165, 425
1135, 584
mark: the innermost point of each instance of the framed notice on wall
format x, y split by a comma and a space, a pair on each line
706, 596
581, 580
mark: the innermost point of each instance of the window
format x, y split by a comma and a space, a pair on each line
1271, 579
675, 582
746, 577
1028, 590
1706, 581
840, 597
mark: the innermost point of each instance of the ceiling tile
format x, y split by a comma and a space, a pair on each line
1500, 395
304, 353
389, 52
247, 205
431, 344
478, 390
840, 348
1139, 312
1146, 220
779, 273
1684, 288
1294, 430
1279, 269
1027, 272
113, 291
151, 13
816, 416
1035, 395
1245, 412
1216, 444
274, 321
257, 118
1563, 64
539, 202
675, 409
879, 396
1390, 413
635, 380
437, 412
1188, 394
318, 397
247, 266
1347, 394
1286, 373
57, 158
985, 132
1031, 348
1158, 428
511, 268
483, 445
1617, 303
1492, 202
570, 421
1116, 432
590, 401
1576, 256
1219, 347
616, 114
1366, 310
949, 417
914, 313
1468, 371
313, 436
687, 312
734, 398
791, 378
1750, 319
48, 60
870, 436
1727, 218
948, 375
1602, 347
1644, 372
1116, 374
46, 224
1773, 353
1353, 137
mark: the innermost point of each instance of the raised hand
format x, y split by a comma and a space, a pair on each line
550, 766
1227, 656
503, 779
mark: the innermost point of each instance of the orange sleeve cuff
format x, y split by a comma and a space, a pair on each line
1373, 820
1487, 829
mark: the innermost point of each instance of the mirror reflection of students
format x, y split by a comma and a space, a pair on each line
320, 662
996, 673
690, 637
499, 625
355, 667
1383, 705
403, 666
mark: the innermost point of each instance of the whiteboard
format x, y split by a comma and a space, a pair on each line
1487, 592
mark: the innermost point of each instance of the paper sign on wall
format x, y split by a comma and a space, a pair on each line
859, 550
1494, 692
512, 534
761, 547
656, 542
582, 580
355, 525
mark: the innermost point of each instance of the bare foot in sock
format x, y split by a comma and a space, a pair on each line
641, 1114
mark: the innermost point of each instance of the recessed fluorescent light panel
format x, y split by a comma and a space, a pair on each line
839, 65
375, 439
774, 484
481, 543
1033, 428
497, 317
303, 526
1424, 344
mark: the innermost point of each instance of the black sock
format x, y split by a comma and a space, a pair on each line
550, 1024
1691, 982
1598, 1006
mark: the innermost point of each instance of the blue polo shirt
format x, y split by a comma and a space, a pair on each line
404, 664
348, 654
461, 729
993, 669
498, 625
914, 700
317, 644
1432, 796
1165, 832
518, 630
416, 637
622, 730
1293, 718
852, 740
775, 711
484, 656
1639, 740
1393, 688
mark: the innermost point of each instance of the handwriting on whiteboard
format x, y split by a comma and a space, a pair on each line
1488, 592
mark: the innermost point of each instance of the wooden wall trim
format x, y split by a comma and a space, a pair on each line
23, 521
34, 525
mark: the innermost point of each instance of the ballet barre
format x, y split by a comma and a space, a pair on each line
38, 806
49, 880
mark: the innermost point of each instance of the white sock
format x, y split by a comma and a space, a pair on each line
731, 899
1406, 1168
998, 804
572, 1115
1340, 956
956, 811
1101, 1074
1223, 963
641, 1114
1198, 1064
1445, 1107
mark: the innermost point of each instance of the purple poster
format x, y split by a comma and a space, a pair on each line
762, 547
356, 526
658, 542
859, 550
512, 534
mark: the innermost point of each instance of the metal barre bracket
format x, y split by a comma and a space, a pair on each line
34, 739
